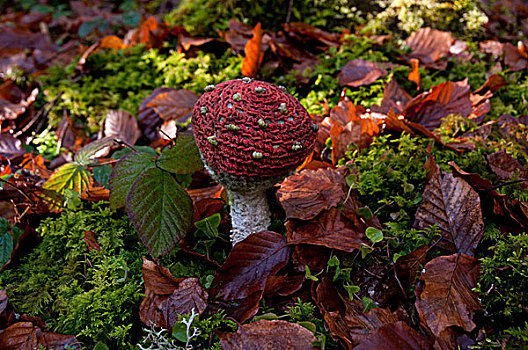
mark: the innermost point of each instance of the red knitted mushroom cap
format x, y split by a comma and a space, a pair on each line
250, 128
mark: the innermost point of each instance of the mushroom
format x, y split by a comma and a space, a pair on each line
251, 135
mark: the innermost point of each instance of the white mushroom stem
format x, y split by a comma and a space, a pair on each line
250, 212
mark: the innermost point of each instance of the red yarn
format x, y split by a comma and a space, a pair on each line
260, 133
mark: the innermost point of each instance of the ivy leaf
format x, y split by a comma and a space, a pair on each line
71, 176
86, 154
125, 173
160, 209
182, 158
374, 234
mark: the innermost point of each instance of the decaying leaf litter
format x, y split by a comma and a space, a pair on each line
406, 225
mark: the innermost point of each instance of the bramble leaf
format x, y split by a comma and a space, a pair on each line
160, 209
86, 154
124, 174
71, 176
6, 248
182, 158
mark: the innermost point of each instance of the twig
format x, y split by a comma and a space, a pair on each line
18, 189
506, 184
202, 256
44, 111
288, 15
123, 143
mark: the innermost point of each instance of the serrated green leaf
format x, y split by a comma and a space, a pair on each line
182, 158
374, 234
160, 209
125, 173
87, 154
6, 248
71, 176
4, 226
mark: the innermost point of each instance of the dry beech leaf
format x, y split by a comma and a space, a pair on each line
112, 42
330, 229
308, 34
174, 104
345, 318
249, 265
149, 119
393, 336
11, 110
451, 204
91, 241
123, 126
254, 54
504, 165
265, 334
96, 194
513, 58
166, 297
283, 285
429, 46
493, 83
446, 298
10, 147
395, 97
26, 335
414, 75
351, 123
238, 35
360, 72
429, 108
303, 196
492, 47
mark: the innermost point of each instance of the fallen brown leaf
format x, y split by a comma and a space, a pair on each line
429, 46
447, 298
91, 241
123, 126
359, 73
397, 335
266, 334
254, 54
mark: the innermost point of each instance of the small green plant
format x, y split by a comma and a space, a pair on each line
153, 192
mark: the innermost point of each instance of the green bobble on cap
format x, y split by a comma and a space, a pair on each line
212, 140
262, 123
232, 127
209, 88
203, 110
237, 97
257, 155
260, 90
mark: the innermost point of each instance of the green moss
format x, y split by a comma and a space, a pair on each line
502, 286
94, 295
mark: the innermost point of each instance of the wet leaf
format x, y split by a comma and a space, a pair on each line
174, 104
182, 158
396, 335
71, 176
166, 297
330, 229
303, 196
493, 83
447, 298
10, 147
125, 173
123, 126
254, 54
429, 46
265, 334
160, 210
452, 205
283, 285
249, 265
360, 72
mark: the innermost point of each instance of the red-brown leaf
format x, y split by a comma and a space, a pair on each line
249, 265
492, 47
414, 75
174, 104
447, 298
514, 58
238, 35
330, 229
429, 46
493, 83
149, 119
254, 54
504, 165
303, 196
25, 335
429, 108
453, 205
123, 126
91, 241
10, 147
266, 334
283, 285
396, 335
166, 297
360, 72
